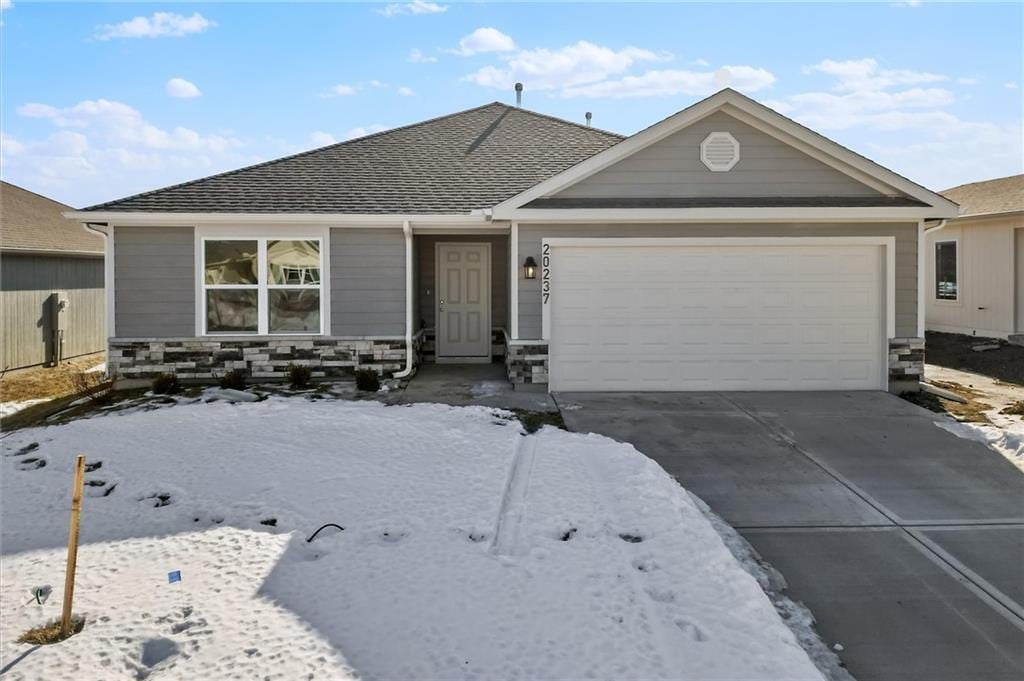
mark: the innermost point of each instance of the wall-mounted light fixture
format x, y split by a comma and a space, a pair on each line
530, 268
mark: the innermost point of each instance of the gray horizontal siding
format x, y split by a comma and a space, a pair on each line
27, 284
367, 282
154, 282
672, 168
906, 256
426, 275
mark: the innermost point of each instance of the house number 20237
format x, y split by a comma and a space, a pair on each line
545, 277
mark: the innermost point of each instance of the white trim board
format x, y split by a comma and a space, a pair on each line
887, 243
733, 103
142, 219
753, 215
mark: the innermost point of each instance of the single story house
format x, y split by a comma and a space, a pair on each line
976, 262
725, 247
51, 283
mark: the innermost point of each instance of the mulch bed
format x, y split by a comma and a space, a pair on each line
953, 351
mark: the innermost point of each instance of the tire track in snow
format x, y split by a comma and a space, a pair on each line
513, 502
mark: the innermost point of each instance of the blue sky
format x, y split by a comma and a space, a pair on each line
101, 100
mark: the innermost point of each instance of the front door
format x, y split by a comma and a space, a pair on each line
463, 300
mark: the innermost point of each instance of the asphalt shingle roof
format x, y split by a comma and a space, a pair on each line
34, 222
454, 164
1003, 195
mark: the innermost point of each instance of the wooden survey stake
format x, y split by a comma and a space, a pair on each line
69, 575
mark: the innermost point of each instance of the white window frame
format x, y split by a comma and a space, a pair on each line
935, 272
263, 288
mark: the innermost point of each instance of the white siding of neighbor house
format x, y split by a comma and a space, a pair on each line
989, 287
530, 237
367, 282
672, 168
154, 282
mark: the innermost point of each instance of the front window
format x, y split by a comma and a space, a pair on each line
946, 287
262, 286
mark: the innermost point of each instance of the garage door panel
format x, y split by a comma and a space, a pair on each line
716, 317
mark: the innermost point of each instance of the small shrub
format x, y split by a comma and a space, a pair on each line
299, 376
234, 380
367, 380
166, 384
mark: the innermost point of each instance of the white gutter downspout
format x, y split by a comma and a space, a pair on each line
108, 285
409, 355
921, 266
936, 228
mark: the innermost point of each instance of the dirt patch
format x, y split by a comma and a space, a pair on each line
973, 411
1015, 409
49, 382
535, 420
954, 351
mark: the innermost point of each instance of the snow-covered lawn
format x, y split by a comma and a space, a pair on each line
470, 550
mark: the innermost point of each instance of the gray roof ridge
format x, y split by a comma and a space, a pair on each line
300, 154
566, 121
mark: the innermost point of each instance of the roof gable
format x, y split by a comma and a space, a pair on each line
30, 222
454, 164
869, 178
673, 168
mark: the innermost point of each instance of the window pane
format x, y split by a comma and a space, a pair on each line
231, 311
231, 262
945, 271
293, 262
294, 311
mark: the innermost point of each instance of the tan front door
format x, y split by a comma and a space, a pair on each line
463, 300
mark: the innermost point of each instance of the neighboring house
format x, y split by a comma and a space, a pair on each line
51, 283
725, 247
975, 269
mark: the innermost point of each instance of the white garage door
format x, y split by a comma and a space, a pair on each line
711, 317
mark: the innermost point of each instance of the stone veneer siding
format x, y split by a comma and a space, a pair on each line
906, 364
206, 359
526, 363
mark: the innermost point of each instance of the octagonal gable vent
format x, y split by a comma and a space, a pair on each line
720, 151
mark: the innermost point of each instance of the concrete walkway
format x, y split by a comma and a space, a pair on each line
472, 384
905, 541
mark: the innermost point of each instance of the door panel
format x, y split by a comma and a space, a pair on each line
717, 318
464, 295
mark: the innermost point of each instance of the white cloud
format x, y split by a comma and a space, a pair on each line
904, 126
6, 4
417, 57
160, 25
101, 149
855, 75
406, 91
322, 139
483, 40
671, 82
414, 7
1010, 86
364, 131
179, 87
701, 62
377, 83
340, 90
569, 66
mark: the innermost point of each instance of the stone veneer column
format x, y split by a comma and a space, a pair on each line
906, 364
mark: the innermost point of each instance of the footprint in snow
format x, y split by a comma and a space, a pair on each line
31, 464
691, 629
154, 651
31, 447
631, 538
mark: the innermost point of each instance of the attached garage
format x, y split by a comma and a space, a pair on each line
718, 314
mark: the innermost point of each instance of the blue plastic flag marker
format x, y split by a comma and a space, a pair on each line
174, 576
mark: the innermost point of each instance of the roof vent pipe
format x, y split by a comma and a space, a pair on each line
519, 94
590, 117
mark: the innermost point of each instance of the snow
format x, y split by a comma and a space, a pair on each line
98, 369
8, 408
1008, 441
470, 551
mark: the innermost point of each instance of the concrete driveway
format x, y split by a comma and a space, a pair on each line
905, 541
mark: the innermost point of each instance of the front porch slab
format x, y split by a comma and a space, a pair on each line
472, 384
